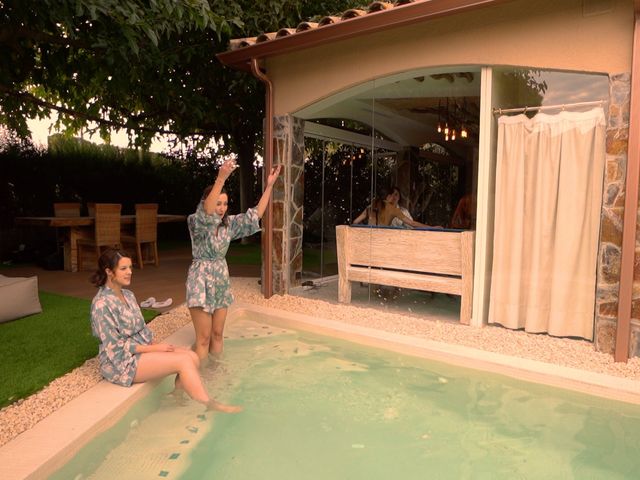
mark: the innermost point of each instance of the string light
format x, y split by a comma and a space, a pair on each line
451, 133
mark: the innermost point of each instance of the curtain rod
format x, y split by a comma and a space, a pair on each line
500, 111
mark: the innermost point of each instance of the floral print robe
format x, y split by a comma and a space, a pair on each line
119, 327
208, 277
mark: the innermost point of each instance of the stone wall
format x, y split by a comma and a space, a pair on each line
608, 276
288, 199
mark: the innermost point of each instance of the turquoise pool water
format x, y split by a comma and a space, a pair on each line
320, 408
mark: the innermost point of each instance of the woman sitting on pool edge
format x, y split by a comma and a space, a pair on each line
127, 354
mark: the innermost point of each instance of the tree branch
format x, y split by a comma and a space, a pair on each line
10, 35
29, 98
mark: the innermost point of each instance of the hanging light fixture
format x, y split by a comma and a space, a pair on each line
451, 120
463, 128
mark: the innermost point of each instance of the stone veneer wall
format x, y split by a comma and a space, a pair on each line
608, 275
288, 198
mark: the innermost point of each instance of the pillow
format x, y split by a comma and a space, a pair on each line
18, 297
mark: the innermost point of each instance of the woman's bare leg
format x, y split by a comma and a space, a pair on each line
203, 324
216, 344
154, 365
194, 356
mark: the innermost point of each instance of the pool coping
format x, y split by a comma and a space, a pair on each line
40, 451
43, 449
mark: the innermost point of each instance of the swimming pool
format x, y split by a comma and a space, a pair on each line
320, 407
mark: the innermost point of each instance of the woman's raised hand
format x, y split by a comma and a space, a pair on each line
275, 171
227, 168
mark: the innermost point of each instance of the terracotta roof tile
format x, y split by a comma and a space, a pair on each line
353, 13
378, 6
265, 37
330, 20
283, 32
306, 26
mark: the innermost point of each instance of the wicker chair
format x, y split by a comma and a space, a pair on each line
66, 209
106, 232
146, 232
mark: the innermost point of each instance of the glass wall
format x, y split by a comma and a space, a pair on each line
397, 152
402, 154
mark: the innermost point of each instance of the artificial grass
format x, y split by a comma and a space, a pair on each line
244, 254
40, 348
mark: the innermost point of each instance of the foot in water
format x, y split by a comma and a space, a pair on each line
178, 393
222, 407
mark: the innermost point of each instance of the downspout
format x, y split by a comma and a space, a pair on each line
629, 225
267, 237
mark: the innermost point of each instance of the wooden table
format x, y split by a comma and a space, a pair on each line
80, 227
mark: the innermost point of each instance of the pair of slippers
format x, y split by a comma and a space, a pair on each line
152, 303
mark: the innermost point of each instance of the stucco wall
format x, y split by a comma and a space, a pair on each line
535, 33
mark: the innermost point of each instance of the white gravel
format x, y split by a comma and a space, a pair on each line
579, 354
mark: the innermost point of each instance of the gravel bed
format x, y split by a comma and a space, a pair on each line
580, 354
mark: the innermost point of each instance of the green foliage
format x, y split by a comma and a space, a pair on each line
144, 66
99, 59
71, 171
74, 170
42, 347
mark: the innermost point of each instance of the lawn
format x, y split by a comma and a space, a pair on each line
42, 347
249, 254
244, 254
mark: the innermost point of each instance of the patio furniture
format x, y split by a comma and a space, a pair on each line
422, 259
78, 227
66, 209
18, 297
106, 230
146, 232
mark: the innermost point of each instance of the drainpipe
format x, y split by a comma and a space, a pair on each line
267, 236
629, 225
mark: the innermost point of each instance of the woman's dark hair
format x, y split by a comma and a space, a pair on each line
109, 259
394, 188
379, 203
225, 219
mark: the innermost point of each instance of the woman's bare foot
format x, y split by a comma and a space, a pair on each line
223, 407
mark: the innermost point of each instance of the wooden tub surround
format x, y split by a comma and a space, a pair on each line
433, 260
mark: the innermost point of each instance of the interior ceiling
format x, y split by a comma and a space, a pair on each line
407, 111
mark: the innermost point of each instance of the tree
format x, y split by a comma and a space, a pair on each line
147, 66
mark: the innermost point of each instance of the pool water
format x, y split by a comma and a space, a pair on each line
320, 408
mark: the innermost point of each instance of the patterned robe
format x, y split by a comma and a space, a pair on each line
396, 222
119, 327
208, 277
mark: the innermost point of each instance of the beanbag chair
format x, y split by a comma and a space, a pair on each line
18, 297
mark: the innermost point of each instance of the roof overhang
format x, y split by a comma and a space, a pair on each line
398, 16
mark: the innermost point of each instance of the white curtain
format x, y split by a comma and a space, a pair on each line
549, 176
